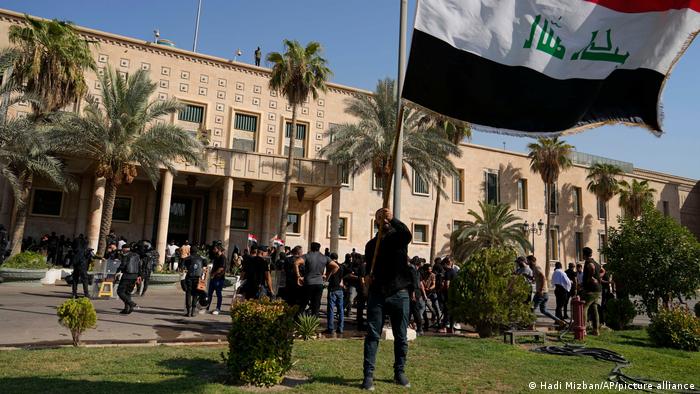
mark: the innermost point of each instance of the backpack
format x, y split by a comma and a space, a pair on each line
134, 264
195, 267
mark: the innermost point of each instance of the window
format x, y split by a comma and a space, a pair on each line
239, 218
553, 206
47, 202
342, 227
420, 185
457, 224
293, 223
122, 209
667, 209
458, 186
331, 132
601, 244
420, 233
576, 196
299, 139
492, 187
602, 209
579, 245
191, 113
377, 182
344, 175
554, 244
522, 194
244, 128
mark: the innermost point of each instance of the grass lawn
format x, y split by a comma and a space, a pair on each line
436, 365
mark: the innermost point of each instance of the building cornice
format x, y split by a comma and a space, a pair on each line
177, 53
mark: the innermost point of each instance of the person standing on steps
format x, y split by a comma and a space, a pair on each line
129, 268
390, 291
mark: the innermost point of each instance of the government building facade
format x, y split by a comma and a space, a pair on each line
249, 126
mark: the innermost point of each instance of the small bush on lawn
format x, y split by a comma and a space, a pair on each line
26, 260
675, 327
306, 326
260, 342
619, 313
77, 315
487, 295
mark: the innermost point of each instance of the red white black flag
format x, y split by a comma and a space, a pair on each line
547, 67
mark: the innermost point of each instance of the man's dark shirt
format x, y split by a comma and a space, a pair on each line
334, 280
254, 269
416, 279
591, 278
190, 262
290, 273
123, 268
450, 275
391, 272
218, 262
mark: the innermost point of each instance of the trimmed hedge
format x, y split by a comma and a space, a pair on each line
260, 342
619, 313
26, 260
77, 315
675, 327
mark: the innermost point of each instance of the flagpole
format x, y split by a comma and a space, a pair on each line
398, 157
196, 26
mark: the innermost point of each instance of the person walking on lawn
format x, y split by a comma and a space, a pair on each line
390, 291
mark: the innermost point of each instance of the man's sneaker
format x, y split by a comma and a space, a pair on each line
216, 312
368, 384
401, 379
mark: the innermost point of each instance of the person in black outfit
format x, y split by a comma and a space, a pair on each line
256, 273
194, 265
217, 277
292, 290
149, 258
81, 260
359, 270
4, 242
571, 274
418, 302
52, 248
390, 290
258, 55
130, 268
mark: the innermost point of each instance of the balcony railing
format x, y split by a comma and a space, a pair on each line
588, 160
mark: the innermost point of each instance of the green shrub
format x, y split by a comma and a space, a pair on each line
675, 327
77, 315
306, 326
619, 313
26, 260
260, 342
697, 309
487, 295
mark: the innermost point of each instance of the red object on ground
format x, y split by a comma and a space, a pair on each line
579, 322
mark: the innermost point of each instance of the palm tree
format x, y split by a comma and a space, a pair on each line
122, 132
603, 184
454, 132
25, 155
296, 73
369, 143
496, 226
50, 62
633, 197
549, 157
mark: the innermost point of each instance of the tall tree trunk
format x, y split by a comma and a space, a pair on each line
436, 214
21, 217
547, 188
605, 223
288, 176
106, 220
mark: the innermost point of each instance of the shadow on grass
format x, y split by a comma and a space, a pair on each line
60, 385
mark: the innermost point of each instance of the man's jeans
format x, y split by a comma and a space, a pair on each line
396, 306
218, 285
591, 299
335, 304
540, 301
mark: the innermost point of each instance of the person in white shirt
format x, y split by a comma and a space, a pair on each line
562, 286
170, 255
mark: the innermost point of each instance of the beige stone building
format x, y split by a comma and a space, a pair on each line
239, 193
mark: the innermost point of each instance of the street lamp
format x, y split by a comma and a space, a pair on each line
531, 228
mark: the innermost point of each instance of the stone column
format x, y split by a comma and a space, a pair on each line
83, 205
335, 219
164, 216
313, 228
226, 202
95, 213
211, 218
267, 204
149, 212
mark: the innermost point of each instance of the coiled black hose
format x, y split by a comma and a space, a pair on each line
616, 375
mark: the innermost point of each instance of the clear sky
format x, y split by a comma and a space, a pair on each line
360, 38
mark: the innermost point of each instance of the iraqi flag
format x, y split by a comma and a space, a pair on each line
547, 67
252, 238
